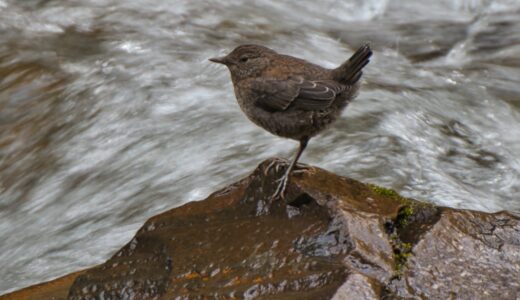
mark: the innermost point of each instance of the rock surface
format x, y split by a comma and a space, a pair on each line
336, 239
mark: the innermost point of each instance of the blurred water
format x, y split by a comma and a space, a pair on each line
111, 113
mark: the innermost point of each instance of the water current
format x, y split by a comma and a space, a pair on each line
110, 111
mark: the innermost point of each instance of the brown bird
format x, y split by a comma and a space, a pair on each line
291, 97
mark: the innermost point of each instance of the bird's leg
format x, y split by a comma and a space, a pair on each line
280, 190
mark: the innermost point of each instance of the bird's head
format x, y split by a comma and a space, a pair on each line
246, 61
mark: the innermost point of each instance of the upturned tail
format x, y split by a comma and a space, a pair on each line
350, 71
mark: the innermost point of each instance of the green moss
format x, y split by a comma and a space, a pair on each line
404, 215
402, 251
389, 193
398, 228
405, 212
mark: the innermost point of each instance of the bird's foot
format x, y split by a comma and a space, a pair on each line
280, 189
280, 163
303, 169
284, 180
276, 163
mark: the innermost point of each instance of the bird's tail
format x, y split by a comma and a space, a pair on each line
351, 70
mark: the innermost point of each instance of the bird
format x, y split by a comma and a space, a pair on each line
289, 96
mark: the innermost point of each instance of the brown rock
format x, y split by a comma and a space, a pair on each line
467, 255
338, 239
51, 290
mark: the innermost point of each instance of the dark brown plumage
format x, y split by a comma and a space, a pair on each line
291, 97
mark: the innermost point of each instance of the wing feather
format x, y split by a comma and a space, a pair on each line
279, 95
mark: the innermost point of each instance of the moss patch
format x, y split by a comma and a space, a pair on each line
402, 251
404, 216
412, 220
406, 211
389, 193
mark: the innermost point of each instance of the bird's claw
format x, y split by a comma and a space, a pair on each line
277, 163
280, 189
303, 169
284, 180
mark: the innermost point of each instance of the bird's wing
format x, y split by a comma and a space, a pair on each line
316, 95
278, 95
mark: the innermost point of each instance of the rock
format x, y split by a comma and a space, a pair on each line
336, 239
51, 290
467, 255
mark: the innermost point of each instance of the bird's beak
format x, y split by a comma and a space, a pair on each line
220, 60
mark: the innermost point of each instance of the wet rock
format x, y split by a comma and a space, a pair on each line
52, 290
467, 255
333, 238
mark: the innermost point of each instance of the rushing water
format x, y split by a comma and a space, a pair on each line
111, 113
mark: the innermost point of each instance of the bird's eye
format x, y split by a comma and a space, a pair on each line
243, 59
